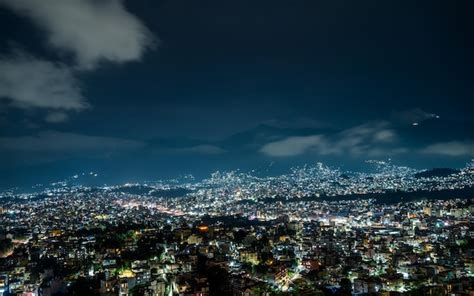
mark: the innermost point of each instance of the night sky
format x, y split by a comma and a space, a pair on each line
146, 89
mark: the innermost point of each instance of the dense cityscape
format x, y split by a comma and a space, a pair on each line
314, 231
236, 148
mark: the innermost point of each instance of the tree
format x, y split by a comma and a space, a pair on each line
346, 287
6, 246
218, 281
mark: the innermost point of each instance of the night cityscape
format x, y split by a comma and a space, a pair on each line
265, 147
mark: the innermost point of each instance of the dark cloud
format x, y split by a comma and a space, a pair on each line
67, 143
202, 149
297, 123
56, 117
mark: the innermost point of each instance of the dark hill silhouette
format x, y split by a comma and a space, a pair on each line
436, 172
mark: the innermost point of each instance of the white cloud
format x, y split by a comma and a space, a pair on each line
30, 82
378, 131
454, 148
384, 136
371, 139
293, 146
92, 30
52, 141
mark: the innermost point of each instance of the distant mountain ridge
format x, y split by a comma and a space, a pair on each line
251, 140
168, 157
